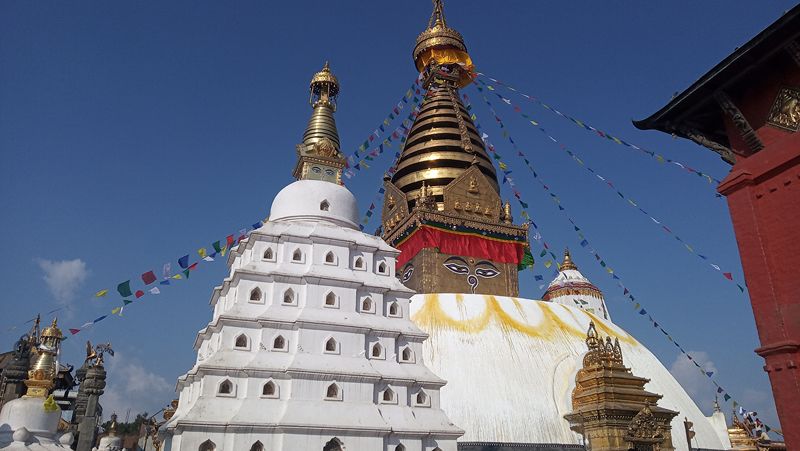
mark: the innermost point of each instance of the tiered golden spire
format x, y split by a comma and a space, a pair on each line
567, 263
45, 367
445, 176
319, 157
323, 92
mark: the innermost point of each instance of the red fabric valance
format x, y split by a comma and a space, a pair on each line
455, 243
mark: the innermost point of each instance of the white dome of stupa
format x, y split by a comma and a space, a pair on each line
316, 200
510, 366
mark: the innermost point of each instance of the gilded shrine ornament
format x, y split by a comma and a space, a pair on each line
785, 112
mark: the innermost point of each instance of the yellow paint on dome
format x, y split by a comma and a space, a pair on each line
433, 318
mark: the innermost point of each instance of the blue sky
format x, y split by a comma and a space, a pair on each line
132, 133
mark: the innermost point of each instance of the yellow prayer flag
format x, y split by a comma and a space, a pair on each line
534, 123
178, 276
548, 264
490, 87
116, 310
202, 252
503, 166
101, 293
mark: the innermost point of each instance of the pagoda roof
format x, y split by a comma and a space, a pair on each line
695, 108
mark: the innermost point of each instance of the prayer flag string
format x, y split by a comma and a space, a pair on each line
167, 277
149, 278
609, 184
355, 160
584, 242
377, 198
597, 132
509, 180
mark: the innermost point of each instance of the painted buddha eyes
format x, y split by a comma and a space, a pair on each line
317, 170
483, 269
486, 273
407, 272
456, 268
329, 172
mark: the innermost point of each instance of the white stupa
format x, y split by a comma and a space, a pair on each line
311, 345
572, 288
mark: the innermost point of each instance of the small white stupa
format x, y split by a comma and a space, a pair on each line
31, 422
110, 442
572, 288
311, 345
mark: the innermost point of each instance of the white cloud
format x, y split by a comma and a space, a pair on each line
698, 385
130, 386
63, 277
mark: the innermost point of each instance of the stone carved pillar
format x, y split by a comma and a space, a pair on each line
14, 375
92, 387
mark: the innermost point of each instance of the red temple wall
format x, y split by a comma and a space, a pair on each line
763, 192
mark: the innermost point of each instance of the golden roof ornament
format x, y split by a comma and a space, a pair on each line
52, 331
507, 218
603, 353
324, 87
567, 263
441, 44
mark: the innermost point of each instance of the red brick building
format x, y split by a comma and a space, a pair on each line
747, 109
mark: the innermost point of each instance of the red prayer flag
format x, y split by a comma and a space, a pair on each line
139, 293
728, 275
74, 331
148, 277
230, 241
193, 266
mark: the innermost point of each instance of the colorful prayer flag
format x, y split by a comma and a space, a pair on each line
124, 288
101, 293
148, 277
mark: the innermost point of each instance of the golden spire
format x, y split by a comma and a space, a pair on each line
567, 263
324, 92
45, 366
112, 428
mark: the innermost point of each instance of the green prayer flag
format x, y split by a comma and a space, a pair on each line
217, 246
126, 301
527, 260
544, 252
186, 273
124, 288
